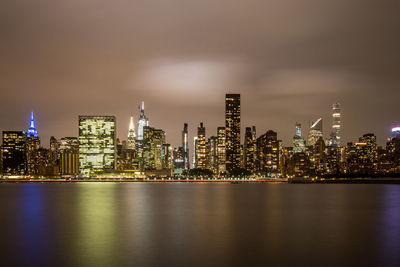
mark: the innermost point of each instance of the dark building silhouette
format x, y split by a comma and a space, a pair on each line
250, 149
14, 153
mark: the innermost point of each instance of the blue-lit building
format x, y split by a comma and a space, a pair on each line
32, 132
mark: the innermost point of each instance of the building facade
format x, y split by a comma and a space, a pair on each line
14, 152
250, 149
201, 152
97, 144
268, 153
336, 125
315, 132
232, 131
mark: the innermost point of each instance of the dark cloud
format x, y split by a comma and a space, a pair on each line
290, 60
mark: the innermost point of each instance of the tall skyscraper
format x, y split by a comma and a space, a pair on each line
185, 146
97, 144
232, 128
194, 157
201, 155
14, 153
315, 132
33, 146
32, 127
250, 149
299, 144
142, 122
221, 149
153, 141
131, 135
335, 134
212, 154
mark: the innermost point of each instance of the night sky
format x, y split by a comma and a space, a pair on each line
290, 60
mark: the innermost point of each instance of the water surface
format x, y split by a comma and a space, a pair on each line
181, 224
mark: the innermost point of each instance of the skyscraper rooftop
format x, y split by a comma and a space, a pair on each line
32, 127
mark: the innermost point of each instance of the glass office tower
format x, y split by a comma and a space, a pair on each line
97, 146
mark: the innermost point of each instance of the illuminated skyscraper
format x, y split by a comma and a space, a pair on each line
185, 146
212, 154
250, 149
32, 145
97, 144
315, 132
14, 153
232, 127
201, 155
178, 160
396, 132
335, 134
221, 149
153, 141
32, 127
299, 144
268, 152
194, 157
131, 135
143, 121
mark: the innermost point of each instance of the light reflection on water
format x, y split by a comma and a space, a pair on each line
142, 224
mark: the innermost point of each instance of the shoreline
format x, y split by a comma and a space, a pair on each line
192, 180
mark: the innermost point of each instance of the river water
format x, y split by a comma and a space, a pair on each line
182, 224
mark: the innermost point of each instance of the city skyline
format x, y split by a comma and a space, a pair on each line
99, 151
192, 131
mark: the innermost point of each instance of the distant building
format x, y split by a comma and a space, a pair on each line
299, 144
185, 146
69, 155
97, 144
315, 132
33, 145
14, 153
212, 154
250, 149
362, 157
221, 149
201, 153
131, 144
232, 128
166, 157
194, 156
393, 150
318, 157
268, 152
153, 141
335, 134
142, 122
32, 132
178, 160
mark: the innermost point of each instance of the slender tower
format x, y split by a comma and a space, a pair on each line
32, 145
185, 143
143, 121
232, 128
335, 134
32, 127
131, 135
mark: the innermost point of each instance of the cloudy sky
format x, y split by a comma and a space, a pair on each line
289, 59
